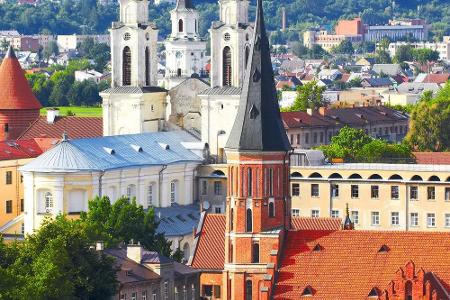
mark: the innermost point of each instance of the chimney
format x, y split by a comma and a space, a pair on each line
283, 18
323, 111
309, 111
52, 114
134, 252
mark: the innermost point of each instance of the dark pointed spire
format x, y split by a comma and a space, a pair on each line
10, 53
258, 125
185, 4
348, 224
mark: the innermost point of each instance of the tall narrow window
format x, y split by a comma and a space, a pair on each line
249, 227
270, 182
248, 290
173, 192
48, 201
255, 253
271, 210
231, 219
147, 66
150, 195
180, 26
126, 66
249, 182
226, 66
247, 54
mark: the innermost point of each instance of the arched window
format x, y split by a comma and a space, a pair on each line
126, 66
315, 175
249, 182
180, 26
247, 54
375, 177
48, 199
296, 174
434, 178
249, 227
335, 176
255, 253
355, 176
147, 66
173, 191
271, 210
131, 192
226, 66
396, 177
248, 290
416, 178
186, 251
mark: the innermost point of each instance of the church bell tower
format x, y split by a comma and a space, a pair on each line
258, 202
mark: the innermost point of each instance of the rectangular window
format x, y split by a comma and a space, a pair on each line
414, 193
447, 220
321, 137
295, 189
217, 188
150, 195
374, 191
314, 190
414, 218
335, 190
8, 206
22, 205
134, 296
447, 194
216, 292
306, 138
375, 218
270, 182
144, 295
173, 192
431, 193
355, 191
394, 192
395, 218
296, 212
217, 210
166, 290
207, 290
292, 139
123, 296
315, 213
335, 214
431, 220
298, 139
355, 217
204, 187
315, 137
8, 177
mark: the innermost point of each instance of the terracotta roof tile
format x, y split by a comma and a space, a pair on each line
75, 127
350, 265
210, 253
305, 223
15, 93
432, 158
437, 78
19, 150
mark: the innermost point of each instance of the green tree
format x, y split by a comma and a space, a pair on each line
423, 56
124, 221
345, 47
309, 96
50, 50
403, 53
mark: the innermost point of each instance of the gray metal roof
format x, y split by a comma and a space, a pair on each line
417, 87
113, 152
177, 220
226, 90
258, 125
134, 90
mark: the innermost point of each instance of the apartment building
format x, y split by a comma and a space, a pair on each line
442, 47
326, 40
411, 197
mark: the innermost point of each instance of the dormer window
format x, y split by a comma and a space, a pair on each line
383, 249
373, 293
308, 291
317, 248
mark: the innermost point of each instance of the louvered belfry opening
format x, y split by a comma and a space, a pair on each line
227, 66
126, 66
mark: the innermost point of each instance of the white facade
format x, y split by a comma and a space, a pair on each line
185, 50
68, 42
230, 43
442, 47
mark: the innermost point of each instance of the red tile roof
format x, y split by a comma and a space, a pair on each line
19, 150
304, 223
432, 158
301, 119
349, 264
436, 78
210, 252
75, 127
15, 93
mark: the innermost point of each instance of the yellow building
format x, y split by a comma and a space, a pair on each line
212, 189
380, 196
13, 155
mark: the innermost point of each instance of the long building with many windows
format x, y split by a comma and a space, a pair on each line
410, 197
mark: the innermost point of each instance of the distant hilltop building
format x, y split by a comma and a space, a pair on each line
355, 31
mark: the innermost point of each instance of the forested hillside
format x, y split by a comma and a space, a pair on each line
86, 16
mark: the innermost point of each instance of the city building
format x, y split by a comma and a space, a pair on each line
185, 49
398, 30
144, 275
385, 196
349, 27
82, 75
327, 40
71, 42
407, 93
442, 47
314, 128
18, 106
156, 168
134, 104
25, 43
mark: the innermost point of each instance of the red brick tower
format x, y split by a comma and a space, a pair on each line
18, 106
258, 203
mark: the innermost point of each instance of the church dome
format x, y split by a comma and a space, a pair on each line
15, 93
